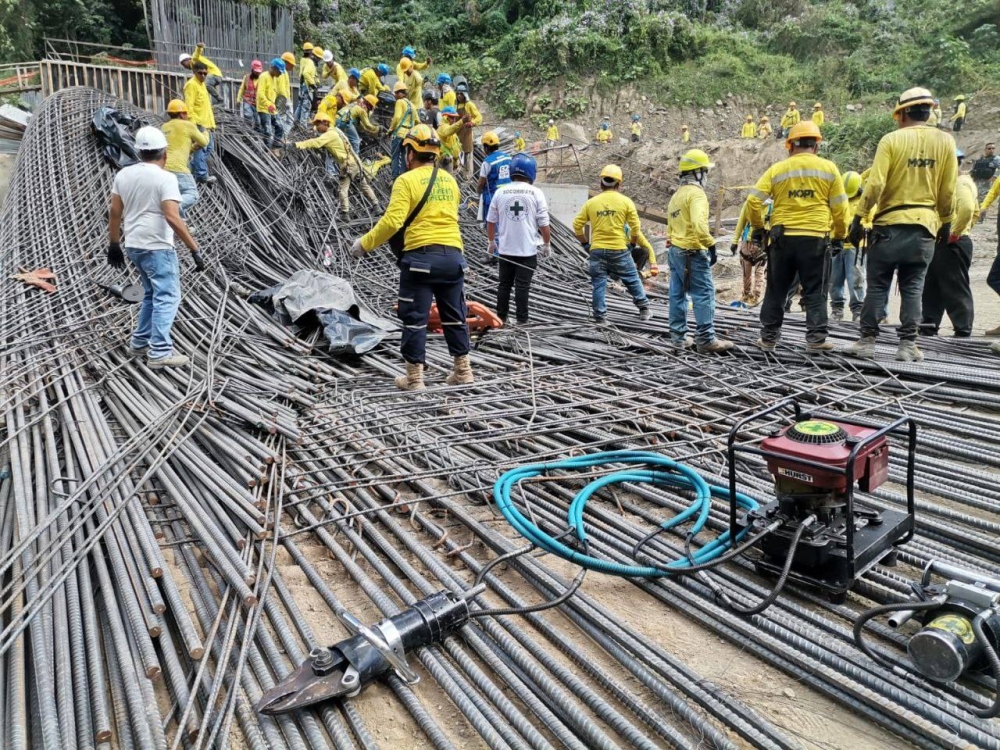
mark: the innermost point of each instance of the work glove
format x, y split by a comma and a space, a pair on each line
733, 248
856, 234
944, 233
758, 236
199, 262
712, 257
585, 246
271, 109
116, 258
492, 248
544, 251
836, 248
654, 270
357, 251
953, 239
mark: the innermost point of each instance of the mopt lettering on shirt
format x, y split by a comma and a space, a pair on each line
607, 212
921, 162
801, 193
675, 214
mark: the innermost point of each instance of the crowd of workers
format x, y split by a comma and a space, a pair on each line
804, 226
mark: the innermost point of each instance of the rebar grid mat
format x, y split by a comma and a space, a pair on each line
156, 526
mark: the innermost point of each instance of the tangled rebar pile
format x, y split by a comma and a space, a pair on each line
172, 543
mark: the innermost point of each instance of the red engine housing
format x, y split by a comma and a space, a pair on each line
829, 443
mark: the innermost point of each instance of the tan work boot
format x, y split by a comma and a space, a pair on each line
174, 360
820, 346
863, 348
909, 352
462, 373
715, 346
993, 332
413, 380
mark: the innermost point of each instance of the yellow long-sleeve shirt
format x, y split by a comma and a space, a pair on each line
749, 130
685, 136
417, 65
437, 222
470, 109
808, 197
741, 223
267, 91
404, 117
790, 118
764, 130
414, 88
935, 119
552, 134
360, 116
637, 129
642, 241
335, 72
818, 118
448, 134
199, 56
914, 166
608, 214
687, 218
959, 113
307, 72
966, 206
182, 135
199, 104
605, 136
519, 144
333, 141
284, 84
991, 196
328, 106
370, 83
449, 98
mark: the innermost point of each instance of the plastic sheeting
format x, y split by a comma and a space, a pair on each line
311, 299
114, 132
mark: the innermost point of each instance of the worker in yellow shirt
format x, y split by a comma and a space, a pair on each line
414, 83
308, 85
285, 101
199, 107
471, 115
333, 71
431, 264
552, 134
749, 130
608, 214
844, 268
334, 102
818, 117
790, 119
183, 138
993, 278
808, 221
519, 144
685, 134
214, 77
447, 97
604, 134
636, 128
692, 255
764, 127
268, 92
340, 161
947, 287
958, 119
404, 117
354, 116
371, 80
912, 180
410, 54
449, 135
643, 254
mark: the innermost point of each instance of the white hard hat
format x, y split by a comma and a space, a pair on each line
552, 122
328, 56
185, 56
150, 139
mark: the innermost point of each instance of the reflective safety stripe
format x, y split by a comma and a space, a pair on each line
453, 323
837, 199
828, 176
759, 194
405, 299
415, 328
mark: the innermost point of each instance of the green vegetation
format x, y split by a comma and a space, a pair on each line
852, 142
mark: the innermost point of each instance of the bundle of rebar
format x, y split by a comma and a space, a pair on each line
174, 542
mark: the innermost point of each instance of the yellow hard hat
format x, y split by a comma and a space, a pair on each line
612, 172
749, 118
491, 139
695, 159
818, 105
913, 97
765, 118
422, 138
960, 98
684, 127
289, 58
398, 86
318, 52
307, 47
321, 117
791, 104
405, 64
176, 106
852, 183
802, 130
372, 100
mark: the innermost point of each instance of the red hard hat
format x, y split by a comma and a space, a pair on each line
257, 66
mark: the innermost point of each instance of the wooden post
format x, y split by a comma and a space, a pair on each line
718, 210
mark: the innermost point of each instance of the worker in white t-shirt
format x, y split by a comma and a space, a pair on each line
146, 196
518, 228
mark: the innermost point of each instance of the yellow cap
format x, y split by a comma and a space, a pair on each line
804, 129
321, 117
372, 100
818, 105
852, 183
289, 58
422, 138
405, 64
491, 139
176, 106
791, 104
695, 159
913, 97
307, 47
318, 52
398, 86
612, 172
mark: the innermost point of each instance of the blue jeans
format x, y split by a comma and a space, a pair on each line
189, 192
249, 112
332, 168
303, 108
398, 157
691, 275
432, 273
618, 264
161, 280
199, 159
353, 138
844, 271
270, 127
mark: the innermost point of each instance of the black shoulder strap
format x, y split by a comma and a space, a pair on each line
420, 206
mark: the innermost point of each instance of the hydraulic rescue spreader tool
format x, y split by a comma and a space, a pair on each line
821, 537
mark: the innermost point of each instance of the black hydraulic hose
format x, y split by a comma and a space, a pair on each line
687, 570
991, 654
884, 609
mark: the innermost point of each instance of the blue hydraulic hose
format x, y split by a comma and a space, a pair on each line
664, 471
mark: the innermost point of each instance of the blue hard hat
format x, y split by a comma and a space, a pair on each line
443, 78
517, 133
354, 73
382, 69
278, 63
523, 165
635, 117
604, 126
449, 110
409, 52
